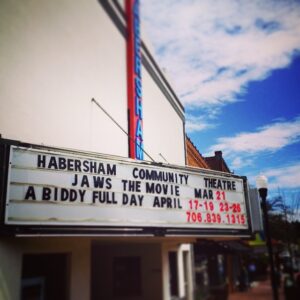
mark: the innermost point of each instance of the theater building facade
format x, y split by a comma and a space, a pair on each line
96, 199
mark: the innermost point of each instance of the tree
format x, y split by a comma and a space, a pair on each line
284, 218
284, 222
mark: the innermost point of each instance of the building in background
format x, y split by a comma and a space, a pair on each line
217, 162
220, 265
193, 156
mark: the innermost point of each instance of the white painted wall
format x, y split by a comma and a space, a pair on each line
10, 269
163, 128
54, 57
57, 55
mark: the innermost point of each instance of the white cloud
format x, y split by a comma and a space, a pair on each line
268, 138
239, 162
284, 177
218, 48
282, 180
196, 124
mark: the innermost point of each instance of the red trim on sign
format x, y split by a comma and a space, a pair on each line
135, 119
130, 76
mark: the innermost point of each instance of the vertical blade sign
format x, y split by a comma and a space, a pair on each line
134, 82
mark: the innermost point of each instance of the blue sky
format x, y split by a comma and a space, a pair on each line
235, 65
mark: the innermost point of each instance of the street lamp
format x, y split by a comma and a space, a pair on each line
262, 186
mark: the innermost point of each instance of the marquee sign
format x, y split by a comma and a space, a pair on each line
49, 187
134, 81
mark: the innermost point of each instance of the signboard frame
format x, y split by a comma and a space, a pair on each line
109, 230
134, 81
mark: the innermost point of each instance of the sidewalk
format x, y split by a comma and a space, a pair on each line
259, 291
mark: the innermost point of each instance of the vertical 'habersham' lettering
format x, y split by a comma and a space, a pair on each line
134, 82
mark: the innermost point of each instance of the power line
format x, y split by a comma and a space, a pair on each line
120, 127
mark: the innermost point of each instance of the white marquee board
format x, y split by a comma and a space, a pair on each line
49, 187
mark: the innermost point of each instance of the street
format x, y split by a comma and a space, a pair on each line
259, 291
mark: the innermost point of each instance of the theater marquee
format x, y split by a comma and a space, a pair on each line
71, 190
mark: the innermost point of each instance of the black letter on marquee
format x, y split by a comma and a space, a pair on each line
41, 163
85, 181
30, 193
197, 193
46, 193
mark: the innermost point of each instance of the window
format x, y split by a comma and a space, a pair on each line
173, 273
